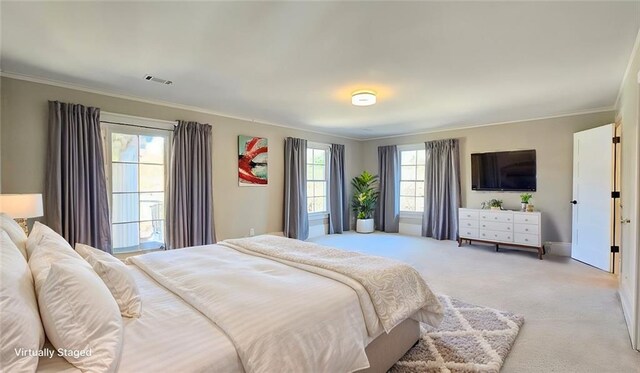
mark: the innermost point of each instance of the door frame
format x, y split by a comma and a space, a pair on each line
630, 298
636, 216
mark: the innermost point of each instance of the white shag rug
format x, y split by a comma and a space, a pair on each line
470, 339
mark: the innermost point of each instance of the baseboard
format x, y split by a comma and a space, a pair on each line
558, 248
627, 310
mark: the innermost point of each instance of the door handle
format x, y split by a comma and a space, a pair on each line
623, 221
574, 202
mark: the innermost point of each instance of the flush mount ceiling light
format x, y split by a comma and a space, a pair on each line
363, 98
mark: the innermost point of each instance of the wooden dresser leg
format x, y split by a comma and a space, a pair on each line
497, 247
540, 252
459, 241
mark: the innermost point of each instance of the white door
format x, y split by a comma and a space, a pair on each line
592, 203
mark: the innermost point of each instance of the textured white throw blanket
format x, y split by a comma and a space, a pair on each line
396, 289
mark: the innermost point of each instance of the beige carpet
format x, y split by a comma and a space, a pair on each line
470, 339
574, 322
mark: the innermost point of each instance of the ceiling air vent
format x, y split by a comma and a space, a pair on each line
152, 78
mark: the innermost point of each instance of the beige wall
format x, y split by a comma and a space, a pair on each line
628, 113
23, 147
553, 141
23, 151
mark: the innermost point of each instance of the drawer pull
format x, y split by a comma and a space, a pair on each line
526, 229
526, 239
508, 228
496, 218
496, 235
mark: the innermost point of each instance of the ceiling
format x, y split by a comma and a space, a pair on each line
435, 65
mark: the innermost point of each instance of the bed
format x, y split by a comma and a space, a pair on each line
269, 303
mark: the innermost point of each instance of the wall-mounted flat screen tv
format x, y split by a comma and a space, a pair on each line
504, 171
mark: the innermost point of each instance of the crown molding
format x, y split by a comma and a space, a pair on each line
77, 87
463, 127
60, 84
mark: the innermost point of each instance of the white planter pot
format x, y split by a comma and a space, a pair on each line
495, 208
364, 226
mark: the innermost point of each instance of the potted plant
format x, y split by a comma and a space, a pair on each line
365, 197
524, 201
495, 204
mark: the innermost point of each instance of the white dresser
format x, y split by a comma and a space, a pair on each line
501, 227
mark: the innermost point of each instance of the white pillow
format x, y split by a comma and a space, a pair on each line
19, 318
80, 316
49, 250
15, 232
116, 276
40, 231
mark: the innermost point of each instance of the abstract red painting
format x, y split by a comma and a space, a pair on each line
252, 161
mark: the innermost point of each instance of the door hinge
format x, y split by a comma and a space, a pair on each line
615, 249
616, 140
615, 194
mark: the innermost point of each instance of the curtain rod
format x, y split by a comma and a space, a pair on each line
136, 125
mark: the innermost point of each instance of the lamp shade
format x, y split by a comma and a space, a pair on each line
21, 205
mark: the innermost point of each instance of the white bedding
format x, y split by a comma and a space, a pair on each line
313, 321
170, 336
394, 289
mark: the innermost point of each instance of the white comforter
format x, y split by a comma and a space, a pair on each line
394, 289
291, 316
279, 318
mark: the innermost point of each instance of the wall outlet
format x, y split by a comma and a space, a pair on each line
252, 232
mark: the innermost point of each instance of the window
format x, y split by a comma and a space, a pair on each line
412, 180
317, 171
137, 172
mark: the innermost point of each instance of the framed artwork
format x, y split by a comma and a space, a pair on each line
252, 161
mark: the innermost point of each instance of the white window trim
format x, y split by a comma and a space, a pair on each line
419, 146
313, 216
410, 147
319, 215
115, 118
411, 214
127, 124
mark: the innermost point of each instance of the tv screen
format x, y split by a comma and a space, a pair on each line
515, 171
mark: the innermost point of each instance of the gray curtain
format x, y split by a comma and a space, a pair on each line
442, 189
296, 217
338, 206
75, 198
387, 217
190, 203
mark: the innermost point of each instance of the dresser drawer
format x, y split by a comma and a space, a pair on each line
527, 239
468, 232
464, 223
506, 217
496, 236
526, 219
468, 214
494, 226
526, 228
